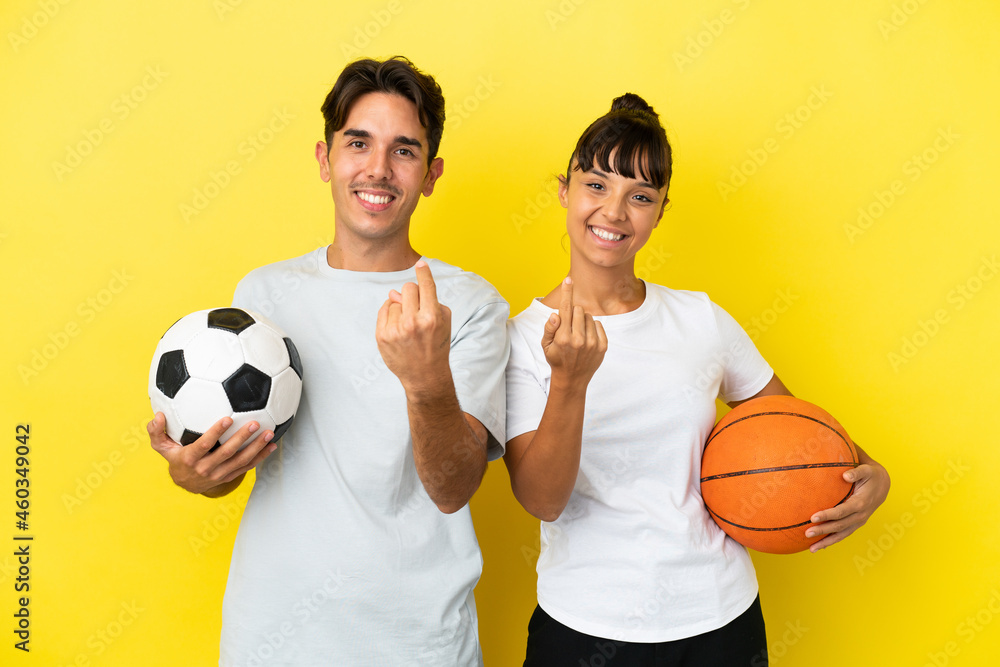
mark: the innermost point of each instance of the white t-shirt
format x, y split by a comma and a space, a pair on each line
635, 556
341, 557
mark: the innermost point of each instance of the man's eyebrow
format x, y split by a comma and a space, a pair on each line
400, 139
408, 141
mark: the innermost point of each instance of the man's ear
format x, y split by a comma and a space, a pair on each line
323, 157
433, 173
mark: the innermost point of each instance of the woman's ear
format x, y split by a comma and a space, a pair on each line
663, 208
564, 190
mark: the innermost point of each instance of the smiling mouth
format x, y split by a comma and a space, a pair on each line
374, 202
605, 235
375, 199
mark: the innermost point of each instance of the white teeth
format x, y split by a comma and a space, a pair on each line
374, 199
607, 236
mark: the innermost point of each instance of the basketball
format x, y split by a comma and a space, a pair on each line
769, 465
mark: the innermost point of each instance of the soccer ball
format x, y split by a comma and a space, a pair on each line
224, 362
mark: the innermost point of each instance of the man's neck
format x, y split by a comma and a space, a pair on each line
372, 257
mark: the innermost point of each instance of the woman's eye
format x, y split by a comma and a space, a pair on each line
643, 198
595, 186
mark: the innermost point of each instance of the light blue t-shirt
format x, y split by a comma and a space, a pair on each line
341, 556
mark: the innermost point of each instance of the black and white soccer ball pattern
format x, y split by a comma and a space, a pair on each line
224, 362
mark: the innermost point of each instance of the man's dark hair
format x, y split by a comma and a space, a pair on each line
395, 76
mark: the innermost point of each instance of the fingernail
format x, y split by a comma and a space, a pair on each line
568, 281
254, 426
421, 262
268, 436
227, 422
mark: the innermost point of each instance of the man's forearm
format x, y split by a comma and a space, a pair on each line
449, 454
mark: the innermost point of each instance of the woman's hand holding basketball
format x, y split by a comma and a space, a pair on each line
871, 486
574, 343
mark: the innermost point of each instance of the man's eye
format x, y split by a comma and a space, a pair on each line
405, 151
357, 144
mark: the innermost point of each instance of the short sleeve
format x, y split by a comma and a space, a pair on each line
526, 395
478, 358
746, 371
241, 297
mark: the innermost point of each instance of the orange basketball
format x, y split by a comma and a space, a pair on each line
769, 465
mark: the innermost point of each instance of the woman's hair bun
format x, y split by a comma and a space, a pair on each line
632, 102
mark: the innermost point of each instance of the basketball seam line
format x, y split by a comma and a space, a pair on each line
786, 414
768, 530
756, 471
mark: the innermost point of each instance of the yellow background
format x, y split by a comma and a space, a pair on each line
97, 261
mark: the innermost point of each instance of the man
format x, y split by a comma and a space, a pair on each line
357, 546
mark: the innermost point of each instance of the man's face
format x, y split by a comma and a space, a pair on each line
376, 165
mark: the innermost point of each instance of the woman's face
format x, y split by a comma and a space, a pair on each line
609, 217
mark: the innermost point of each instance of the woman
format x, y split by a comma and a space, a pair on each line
606, 422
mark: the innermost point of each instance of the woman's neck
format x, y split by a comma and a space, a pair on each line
602, 290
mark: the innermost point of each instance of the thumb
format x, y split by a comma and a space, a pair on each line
158, 438
157, 430
383, 317
551, 326
859, 474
